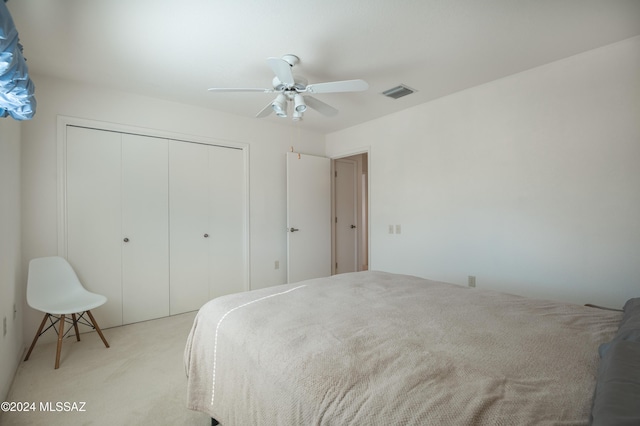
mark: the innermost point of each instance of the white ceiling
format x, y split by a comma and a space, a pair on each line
175, 50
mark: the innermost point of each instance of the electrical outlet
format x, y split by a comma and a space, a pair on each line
391, 229
277, 264
398, 229
472, 281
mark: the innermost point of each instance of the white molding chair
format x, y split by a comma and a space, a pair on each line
54, 288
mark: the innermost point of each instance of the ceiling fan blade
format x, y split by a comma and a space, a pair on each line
338, 86
282, 70
320, 106
265, 111
240, 89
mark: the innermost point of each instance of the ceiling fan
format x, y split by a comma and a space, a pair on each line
293, 89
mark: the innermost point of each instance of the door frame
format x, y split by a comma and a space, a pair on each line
61, 139
367, 205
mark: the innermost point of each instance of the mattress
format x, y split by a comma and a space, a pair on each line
381, 348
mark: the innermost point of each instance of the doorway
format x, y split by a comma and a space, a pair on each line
350, 210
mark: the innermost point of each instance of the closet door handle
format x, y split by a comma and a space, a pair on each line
206, 235
126, 240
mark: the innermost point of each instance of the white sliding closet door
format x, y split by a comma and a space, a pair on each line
206, 223
94, 219
226, 204
189, 225
155, 225
117, 221
145, 222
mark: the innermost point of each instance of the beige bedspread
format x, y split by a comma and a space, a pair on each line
374, 348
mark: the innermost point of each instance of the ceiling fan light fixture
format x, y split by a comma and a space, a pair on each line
297, 115
279, 105
299, 104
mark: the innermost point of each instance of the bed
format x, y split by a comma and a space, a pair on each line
371, 348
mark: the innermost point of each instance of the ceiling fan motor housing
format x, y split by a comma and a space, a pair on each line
300, 83
291, 59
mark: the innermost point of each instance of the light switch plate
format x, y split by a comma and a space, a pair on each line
472, 281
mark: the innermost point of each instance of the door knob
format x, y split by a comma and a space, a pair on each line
206, 235
126, 240
353, 226
293, 229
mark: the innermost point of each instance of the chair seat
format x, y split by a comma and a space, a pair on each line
78, 302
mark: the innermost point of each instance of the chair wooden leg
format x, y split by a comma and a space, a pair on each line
60, 336
95, 324
75, 326
35, 339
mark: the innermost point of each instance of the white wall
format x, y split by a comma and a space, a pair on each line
531, 183
268, 145
11, 344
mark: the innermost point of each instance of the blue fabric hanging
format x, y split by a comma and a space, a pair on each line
16, 88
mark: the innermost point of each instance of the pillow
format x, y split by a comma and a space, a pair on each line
631, 319
630, 325
629, 328
618, 386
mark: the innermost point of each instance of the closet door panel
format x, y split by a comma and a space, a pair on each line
93, 210
226, 207
188, 224
145, 221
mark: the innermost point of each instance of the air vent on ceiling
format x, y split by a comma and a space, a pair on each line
398, 91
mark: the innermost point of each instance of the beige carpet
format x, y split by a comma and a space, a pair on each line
139, 380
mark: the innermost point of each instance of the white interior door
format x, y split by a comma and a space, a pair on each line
308, 217
346, 232
94, 216
145, 234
